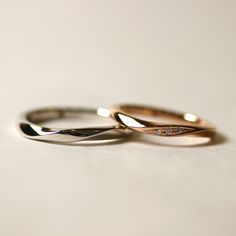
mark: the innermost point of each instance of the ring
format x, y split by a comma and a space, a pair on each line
187, 123
30, 126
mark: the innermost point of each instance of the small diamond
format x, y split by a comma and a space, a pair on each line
168, 131
158, 132
177, 130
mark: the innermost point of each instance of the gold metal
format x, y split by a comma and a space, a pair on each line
186, 123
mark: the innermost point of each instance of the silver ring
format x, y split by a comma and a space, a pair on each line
30, 126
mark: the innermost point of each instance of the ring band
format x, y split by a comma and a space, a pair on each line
30, 126
189, 124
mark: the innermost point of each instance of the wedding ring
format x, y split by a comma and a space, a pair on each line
30, 125
184, 123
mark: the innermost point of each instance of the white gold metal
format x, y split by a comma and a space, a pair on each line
30, 125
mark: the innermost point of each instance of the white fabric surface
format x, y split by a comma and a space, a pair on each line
177, 54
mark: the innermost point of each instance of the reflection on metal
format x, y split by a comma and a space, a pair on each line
30, 125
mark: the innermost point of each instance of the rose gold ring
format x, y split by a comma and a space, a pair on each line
184, 123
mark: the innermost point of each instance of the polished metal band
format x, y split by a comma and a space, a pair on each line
186, 123
30, 126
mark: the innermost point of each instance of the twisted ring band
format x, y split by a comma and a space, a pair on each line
30, 126
186, 123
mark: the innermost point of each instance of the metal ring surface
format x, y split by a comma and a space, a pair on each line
187, 123
30, 125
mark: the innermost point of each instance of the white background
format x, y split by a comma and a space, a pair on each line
177, 54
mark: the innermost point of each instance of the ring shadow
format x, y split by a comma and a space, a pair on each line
182, 141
